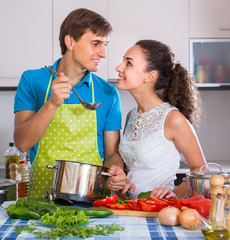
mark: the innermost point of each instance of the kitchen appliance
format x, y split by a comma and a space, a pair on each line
79, 182
8, 189
198, 182
210, 62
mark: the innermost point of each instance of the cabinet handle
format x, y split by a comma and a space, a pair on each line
224, 28
2, 77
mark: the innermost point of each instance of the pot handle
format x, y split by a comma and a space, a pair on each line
211, 164
51, 166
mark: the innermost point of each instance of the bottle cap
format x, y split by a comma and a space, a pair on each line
22, 162
11, 144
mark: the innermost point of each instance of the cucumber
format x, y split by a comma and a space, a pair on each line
94, 213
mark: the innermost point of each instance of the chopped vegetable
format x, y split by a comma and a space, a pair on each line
144, 194
64, 219
199, 203
105, 201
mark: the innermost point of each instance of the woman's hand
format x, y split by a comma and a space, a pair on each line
163, 193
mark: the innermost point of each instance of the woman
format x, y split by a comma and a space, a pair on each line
159, 130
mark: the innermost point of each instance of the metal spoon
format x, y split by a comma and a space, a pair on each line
92, 106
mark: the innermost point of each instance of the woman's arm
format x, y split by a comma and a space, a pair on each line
180, 131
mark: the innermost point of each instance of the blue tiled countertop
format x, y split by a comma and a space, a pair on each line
136, 228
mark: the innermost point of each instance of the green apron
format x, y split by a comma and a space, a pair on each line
71, 135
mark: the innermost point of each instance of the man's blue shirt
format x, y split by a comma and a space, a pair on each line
32, 89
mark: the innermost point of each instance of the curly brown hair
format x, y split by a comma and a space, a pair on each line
174, 84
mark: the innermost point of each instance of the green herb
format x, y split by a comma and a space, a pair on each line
64, 219
83, 231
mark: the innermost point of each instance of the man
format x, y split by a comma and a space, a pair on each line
50, 121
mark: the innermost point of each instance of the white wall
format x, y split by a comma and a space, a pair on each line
6, 122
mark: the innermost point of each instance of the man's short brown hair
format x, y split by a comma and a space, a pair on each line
81, 20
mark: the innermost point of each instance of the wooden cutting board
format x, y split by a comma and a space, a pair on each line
127, 212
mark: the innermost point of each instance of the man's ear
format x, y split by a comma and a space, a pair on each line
151, 76
69, 42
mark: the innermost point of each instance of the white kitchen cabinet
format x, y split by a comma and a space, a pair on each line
60, 11
26, 37
133, 20
209, 18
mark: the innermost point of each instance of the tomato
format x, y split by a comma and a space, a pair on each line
105, 201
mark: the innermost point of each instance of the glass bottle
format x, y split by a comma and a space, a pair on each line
11, 156
24, 181
219, 230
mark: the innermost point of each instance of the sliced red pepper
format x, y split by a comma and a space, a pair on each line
120, 206
134, 206
151, 207
111, 205
156, 200
171, 202
104, 201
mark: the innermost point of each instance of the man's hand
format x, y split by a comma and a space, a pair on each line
118, 179
60, 90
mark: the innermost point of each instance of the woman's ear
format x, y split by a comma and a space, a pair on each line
69, 42
151, 76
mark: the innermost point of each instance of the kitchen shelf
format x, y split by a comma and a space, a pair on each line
213, 86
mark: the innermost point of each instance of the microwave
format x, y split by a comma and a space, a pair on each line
209, 62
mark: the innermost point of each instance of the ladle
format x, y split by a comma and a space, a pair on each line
92, 106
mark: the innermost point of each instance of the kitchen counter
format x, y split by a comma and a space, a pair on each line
136, 228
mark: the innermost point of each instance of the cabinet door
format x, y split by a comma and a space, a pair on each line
209, 18
133, 20
26, 37
62, 8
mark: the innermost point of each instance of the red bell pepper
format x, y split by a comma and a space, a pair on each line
120, 206
199, 203
171, 202
151, 207
105, 201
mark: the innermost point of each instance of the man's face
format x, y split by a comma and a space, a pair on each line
89, 50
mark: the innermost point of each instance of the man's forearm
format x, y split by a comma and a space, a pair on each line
30, 128
114, 159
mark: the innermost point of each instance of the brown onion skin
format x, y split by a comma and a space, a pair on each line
188, 219
169, 216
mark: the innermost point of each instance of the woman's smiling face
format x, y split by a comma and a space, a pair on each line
132, 71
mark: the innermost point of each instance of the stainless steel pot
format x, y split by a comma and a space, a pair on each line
198, 182
78, 181
8, 190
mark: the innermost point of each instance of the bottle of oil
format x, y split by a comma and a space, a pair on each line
24, 181
11, 156
219, 230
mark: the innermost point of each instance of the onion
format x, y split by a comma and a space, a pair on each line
169, 216
188, 219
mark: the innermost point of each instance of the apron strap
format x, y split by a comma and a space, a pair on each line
48, 88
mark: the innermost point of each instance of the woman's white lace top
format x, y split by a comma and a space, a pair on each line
151, 159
